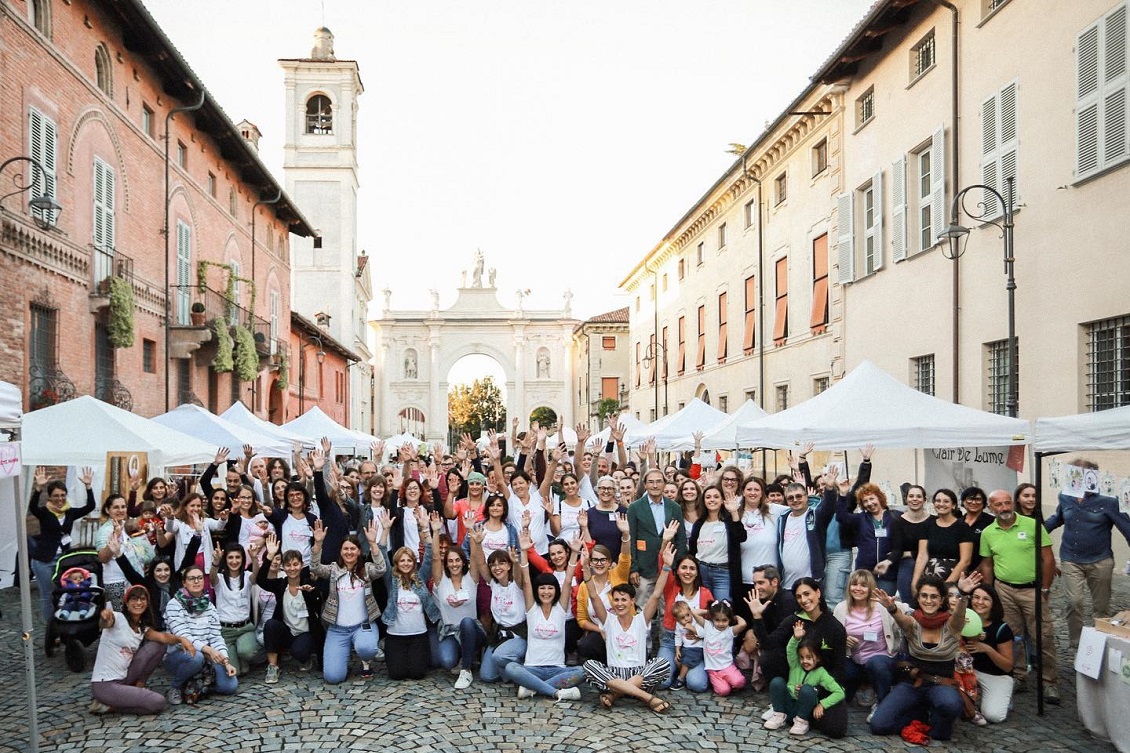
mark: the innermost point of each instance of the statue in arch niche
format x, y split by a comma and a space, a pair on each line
543, 365
410, 369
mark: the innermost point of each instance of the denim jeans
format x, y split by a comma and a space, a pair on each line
905, 703
837, 565
697, 680
339, 641
449, 651
905, 580
44, 578
544, 680
184, 667
880, 670
496, 658
717, 579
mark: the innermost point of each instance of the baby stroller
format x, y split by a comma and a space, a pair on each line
75, 628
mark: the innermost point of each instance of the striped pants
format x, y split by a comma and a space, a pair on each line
597, 674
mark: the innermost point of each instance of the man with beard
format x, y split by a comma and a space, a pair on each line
769, 605
1008, 547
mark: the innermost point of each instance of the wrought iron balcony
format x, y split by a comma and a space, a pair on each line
112, 391
49, 386
107, 264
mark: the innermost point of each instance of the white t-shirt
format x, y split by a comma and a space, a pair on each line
494, 541
605, 596
296, 533
568, 514
115, 650
585, 490
545, 642
448, 598
538, 528
409, 614
507, 604
246, 525
351, 608
233, 604
294, 612
565, 580
717, 645
685, 638
626, 648
712, 543
795, 562
760, 545
411, 529
112, 571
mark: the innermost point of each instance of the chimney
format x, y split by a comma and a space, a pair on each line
323, 320
250, 133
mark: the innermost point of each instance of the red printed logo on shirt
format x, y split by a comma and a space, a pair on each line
546, 630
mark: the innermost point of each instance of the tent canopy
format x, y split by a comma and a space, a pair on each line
1103, 430
239, 415
630, 423
197, 422
315, 424
80, 432
678, 428
11, 405
725, 435
871, 406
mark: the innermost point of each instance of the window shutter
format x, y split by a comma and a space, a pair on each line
989, 154
1114, 87
108, 186
43, 136
845, 238
99, 206
898, 208
1087, 101
1008, 161
938, 212
723, 339
877, 186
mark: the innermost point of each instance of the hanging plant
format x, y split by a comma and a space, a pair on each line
284, 373
120, 324
245, 358
224, 346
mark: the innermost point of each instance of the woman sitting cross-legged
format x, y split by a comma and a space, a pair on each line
926, 685
455, 586
295, 626
629, 671
544, 670
351, 610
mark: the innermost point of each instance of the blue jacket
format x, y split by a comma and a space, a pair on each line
860, 526
1086, 527
816, 517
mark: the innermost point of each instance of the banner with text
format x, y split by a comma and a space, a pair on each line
958, 468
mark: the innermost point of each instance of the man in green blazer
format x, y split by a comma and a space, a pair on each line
648, 516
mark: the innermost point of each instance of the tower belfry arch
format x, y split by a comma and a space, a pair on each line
416, 349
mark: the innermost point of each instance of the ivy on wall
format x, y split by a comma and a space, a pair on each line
224, 346
120, 324
245, 358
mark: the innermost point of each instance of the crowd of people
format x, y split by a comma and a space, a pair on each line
565, 567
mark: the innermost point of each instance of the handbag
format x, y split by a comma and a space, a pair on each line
499, 635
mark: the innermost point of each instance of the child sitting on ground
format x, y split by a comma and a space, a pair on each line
798, 697
719, 628
688, 643
77, 602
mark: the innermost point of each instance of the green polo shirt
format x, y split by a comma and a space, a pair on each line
1014, 558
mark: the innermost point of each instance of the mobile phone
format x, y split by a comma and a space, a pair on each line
502, 447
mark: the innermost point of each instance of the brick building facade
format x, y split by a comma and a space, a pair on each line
88, 89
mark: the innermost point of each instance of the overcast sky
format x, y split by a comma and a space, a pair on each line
563, 138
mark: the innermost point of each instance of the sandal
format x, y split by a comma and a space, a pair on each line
658, 705
606, 700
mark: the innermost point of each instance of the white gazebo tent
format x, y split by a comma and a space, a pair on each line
11, 410
315, 424
631, 424
395, 442
724, 436
870, 406
219, 432
679, 427
239, 414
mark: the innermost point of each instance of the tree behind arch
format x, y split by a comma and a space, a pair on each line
476, 407
545, 416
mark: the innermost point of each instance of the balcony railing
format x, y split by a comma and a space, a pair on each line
216, 305
113, 392
261, 330
49, 386
107, 263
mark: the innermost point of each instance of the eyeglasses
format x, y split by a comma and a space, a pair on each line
928, 597
729, 480
193, 578
795, 497
606, 488
598, 560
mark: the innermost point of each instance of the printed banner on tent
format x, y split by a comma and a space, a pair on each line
958, 468
121, 467
9, 459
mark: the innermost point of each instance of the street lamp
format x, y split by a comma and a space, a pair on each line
302, 369
44, 208
958, 237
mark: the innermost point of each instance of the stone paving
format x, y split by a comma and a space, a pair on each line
302, 713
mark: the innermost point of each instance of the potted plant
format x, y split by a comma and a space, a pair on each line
196, 313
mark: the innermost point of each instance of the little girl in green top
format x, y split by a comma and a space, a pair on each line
798, 698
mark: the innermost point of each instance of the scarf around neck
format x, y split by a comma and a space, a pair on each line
193, 604
931, 622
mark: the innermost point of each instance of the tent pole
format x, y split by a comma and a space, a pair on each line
1039, 477
27, 633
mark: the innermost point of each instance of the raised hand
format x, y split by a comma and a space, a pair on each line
421, 517
512, 553
436, 523
468, 520
319, 533
526, 518
670, 530
371, 533
969, 581
757, 607
327, 446
377, 447
384, 519
668, 554
867, 451
525, 540
135, 481
697, 436
304, 467
114, 543
221, 456
271, 541
615, 429
583, 433
40, 478
87, 477
885, 599
248, 452
624, 527
732, 503
217, 556
583, 520
576, 544
798, 629
806, 449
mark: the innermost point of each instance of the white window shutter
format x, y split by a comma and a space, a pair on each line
1114, 87
845, 238
877, 187
938, 209
99, 205
989, 154
898, 209
43, 136
108, 186
1009, 147
1087, 158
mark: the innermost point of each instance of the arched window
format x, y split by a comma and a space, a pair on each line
40, 11
319, 115
103, 75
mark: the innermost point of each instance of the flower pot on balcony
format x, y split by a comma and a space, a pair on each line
196, 314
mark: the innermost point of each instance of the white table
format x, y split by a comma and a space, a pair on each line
1104, 704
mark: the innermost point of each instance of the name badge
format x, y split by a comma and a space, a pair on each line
641, 545
870, 635
880, 533
1022, 535
302, 612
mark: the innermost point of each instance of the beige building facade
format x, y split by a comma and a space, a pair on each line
600, 352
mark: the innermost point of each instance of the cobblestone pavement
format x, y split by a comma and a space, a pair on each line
302, 713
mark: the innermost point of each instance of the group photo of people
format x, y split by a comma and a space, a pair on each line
578, 573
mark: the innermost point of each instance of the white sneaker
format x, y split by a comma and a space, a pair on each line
569, 694
800, 727
776, 720
97, 707
380, 655
769, 712
272, 674
871, 713
525, 692
465, 680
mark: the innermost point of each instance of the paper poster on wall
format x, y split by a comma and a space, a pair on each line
1072, 481
123, 466
961, 467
